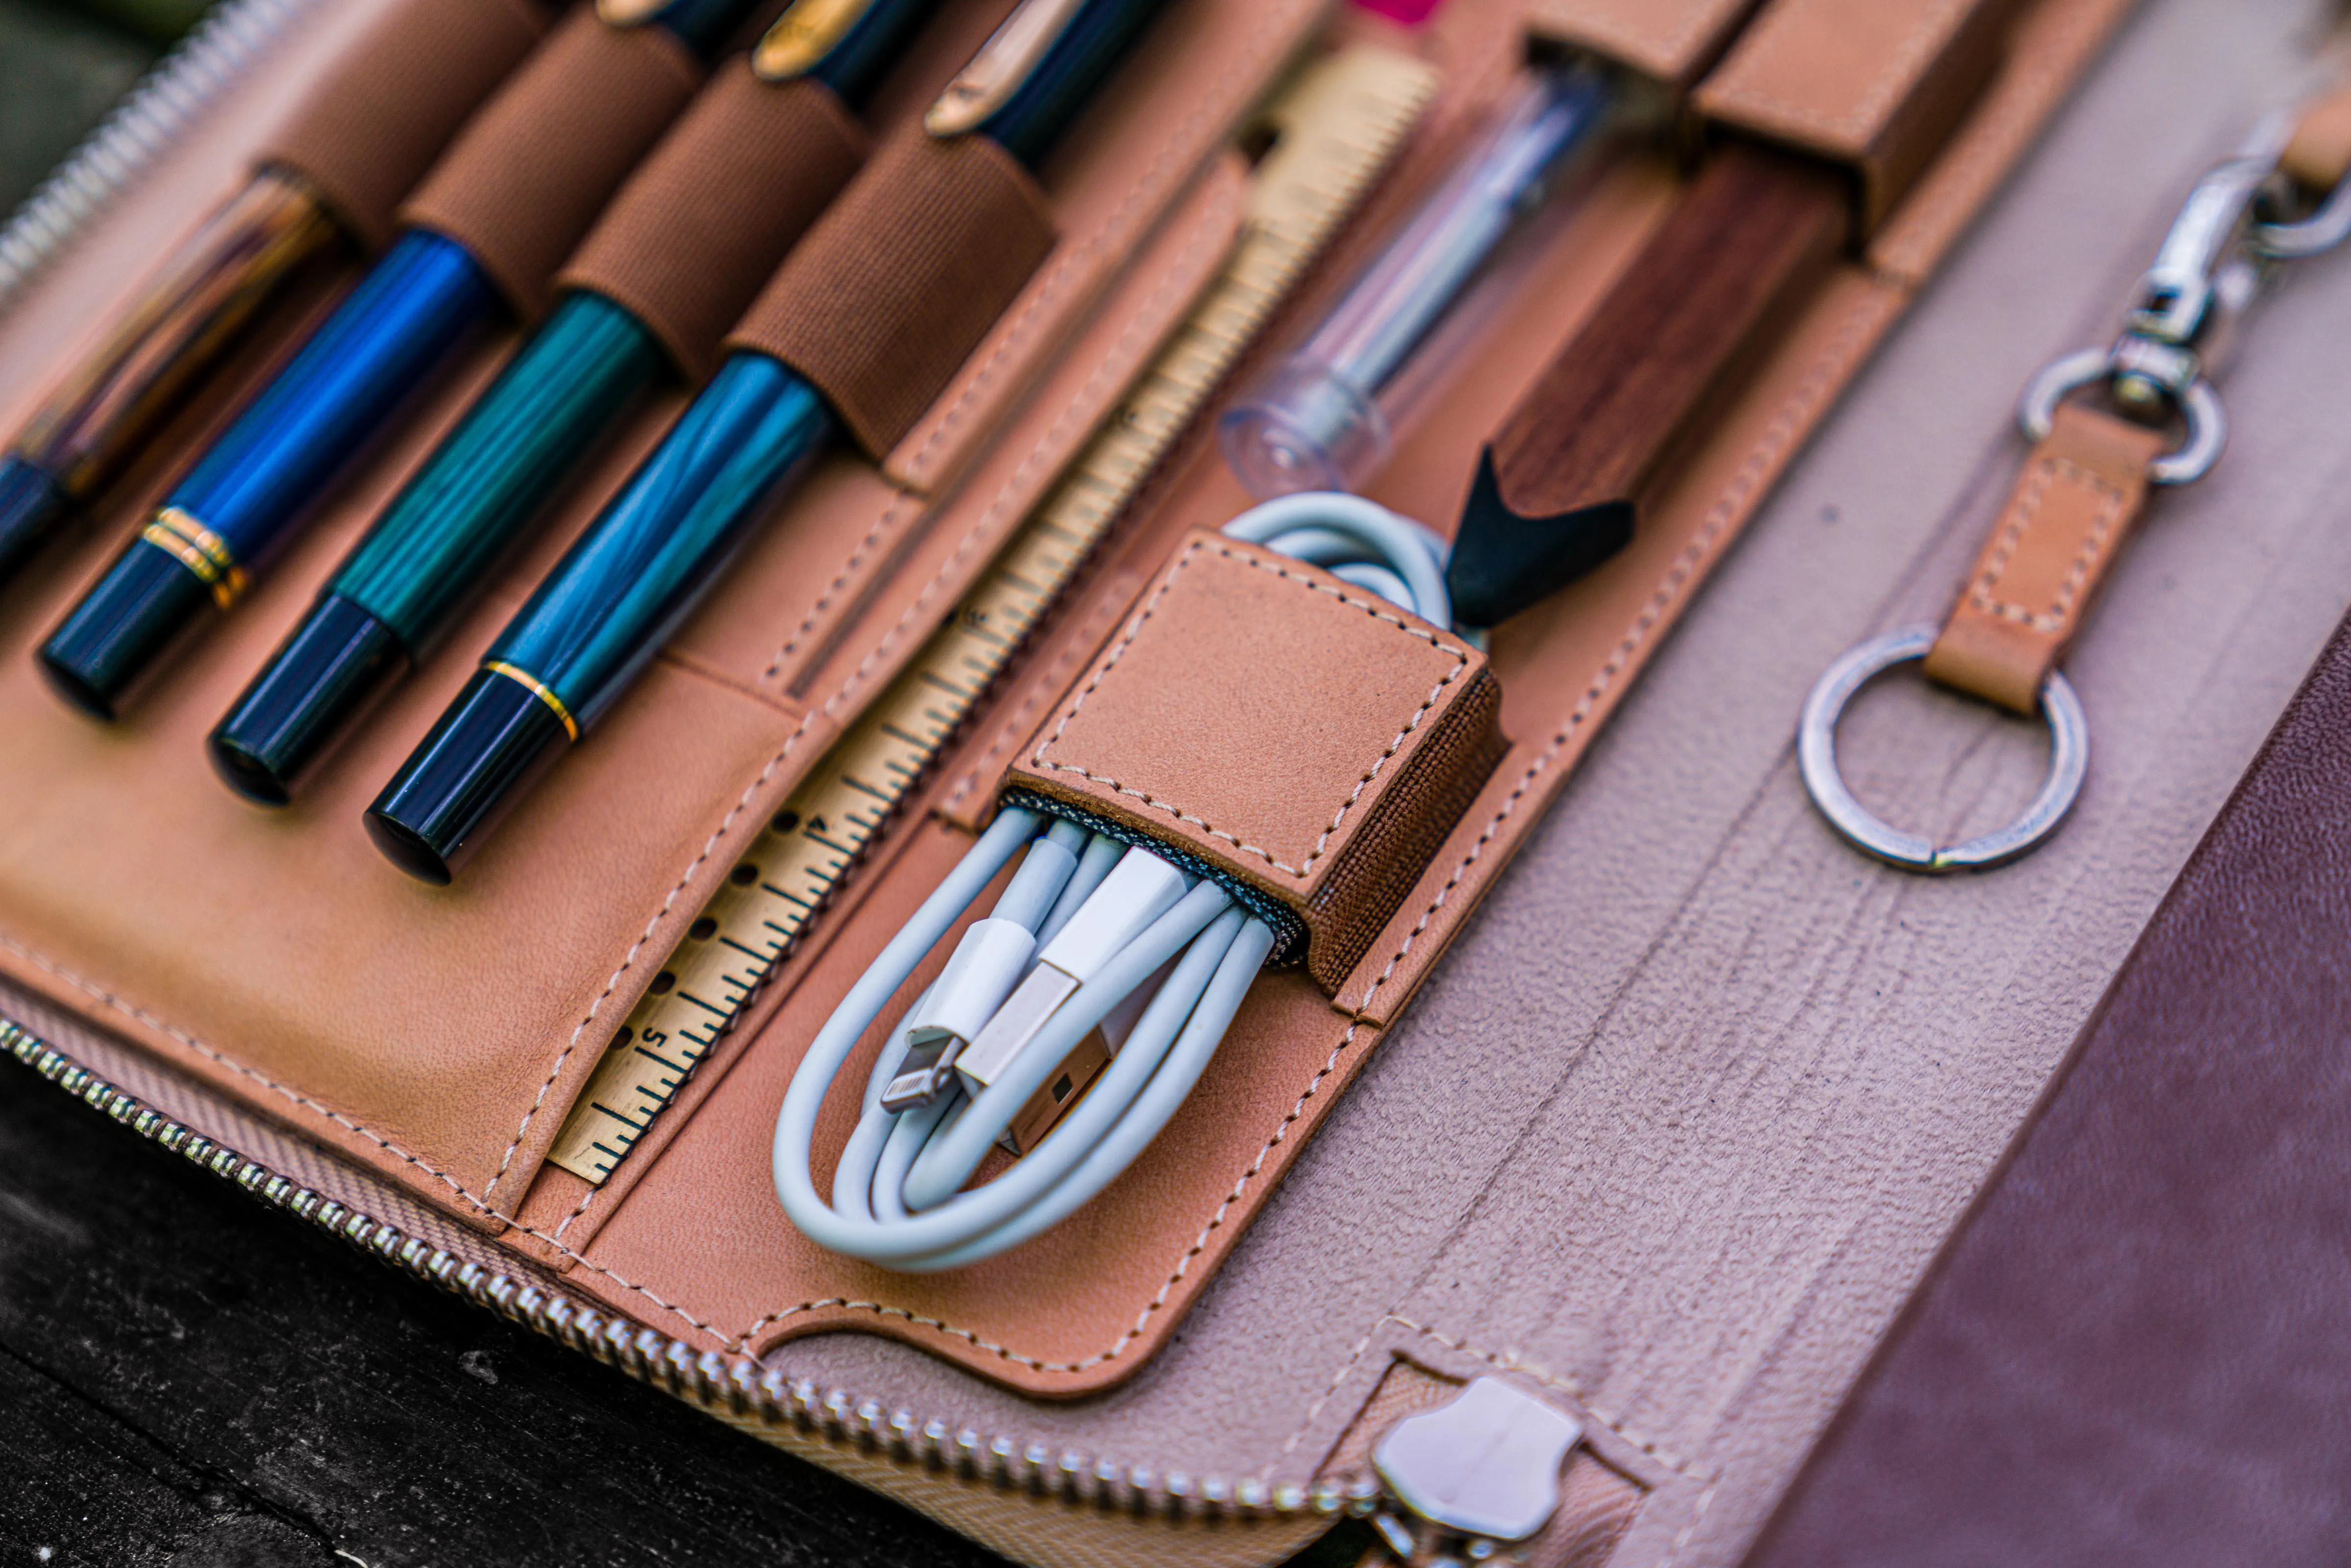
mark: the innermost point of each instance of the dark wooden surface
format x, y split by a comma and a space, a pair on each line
188, 1378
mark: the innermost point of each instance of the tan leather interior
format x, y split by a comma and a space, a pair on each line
1279, 725
2073, 508
1596, 1241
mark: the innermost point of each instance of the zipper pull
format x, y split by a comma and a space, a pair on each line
1478, 1473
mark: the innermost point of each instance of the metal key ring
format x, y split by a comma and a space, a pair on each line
2069, 765
2199, 405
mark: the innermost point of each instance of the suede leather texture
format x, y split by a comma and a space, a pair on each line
2135, 1350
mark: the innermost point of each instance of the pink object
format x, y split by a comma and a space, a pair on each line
1411, 13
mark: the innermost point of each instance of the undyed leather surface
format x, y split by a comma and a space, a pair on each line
2135, 1350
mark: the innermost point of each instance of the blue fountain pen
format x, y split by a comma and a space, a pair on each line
249, 493
657, 548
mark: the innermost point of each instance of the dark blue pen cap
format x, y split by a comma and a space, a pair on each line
337, 663
147, 598
487, 745
32, 505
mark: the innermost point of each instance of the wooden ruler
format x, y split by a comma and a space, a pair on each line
1337, 126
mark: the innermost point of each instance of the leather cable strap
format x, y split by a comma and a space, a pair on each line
528, 177
2081, 492
698, 228
898, 283
366, 133
2318, 155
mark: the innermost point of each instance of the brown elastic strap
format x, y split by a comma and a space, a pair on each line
694, 234
528, 176
366, 133
2073, 507
899, 282
2318, 155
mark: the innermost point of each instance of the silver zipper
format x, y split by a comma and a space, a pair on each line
155, 113
740, 1387
1465, 1481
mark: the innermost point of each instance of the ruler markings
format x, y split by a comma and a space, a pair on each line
1342, 122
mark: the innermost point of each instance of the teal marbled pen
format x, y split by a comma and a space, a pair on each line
659, 546
749, 167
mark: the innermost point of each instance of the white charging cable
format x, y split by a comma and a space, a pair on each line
1095, 947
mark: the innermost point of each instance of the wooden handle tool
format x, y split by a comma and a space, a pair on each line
1830, 110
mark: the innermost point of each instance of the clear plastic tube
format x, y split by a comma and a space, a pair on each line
1324, 419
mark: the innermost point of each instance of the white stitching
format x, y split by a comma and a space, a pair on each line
1377, 609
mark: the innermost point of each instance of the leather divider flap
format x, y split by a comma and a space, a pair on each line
699, 227
1670, 41
366, 133
1303, 737
1877, 85
527, 176
902, 279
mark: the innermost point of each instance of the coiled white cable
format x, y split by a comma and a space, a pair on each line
1088, 934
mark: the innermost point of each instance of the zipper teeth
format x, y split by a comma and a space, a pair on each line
166, 101
739, 1387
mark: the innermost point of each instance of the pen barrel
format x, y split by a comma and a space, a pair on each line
206, 293
428, 554
396, 331
658, 547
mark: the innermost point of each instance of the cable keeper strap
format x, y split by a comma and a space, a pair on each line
1297, 738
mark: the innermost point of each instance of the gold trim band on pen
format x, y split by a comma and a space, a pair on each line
201, 550
538, 688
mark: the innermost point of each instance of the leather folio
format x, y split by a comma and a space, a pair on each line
1663, 1139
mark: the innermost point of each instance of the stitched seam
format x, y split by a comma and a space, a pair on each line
1748, 477
1045, 683
1802, 400
1770, 446
889, 516
652, 924
1902, 67
1696, 1516
131, 1010
996, 508
1215, 105
2048, 472
1083, 398
1507, 1361
1183, 1264
1375, 608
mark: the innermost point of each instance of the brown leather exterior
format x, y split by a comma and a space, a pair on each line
2317, 156
2135, 1349
372, 126
1303, 735
690, 237
1672, 41
895, 287
526, 179
2080, 493
1875, 85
